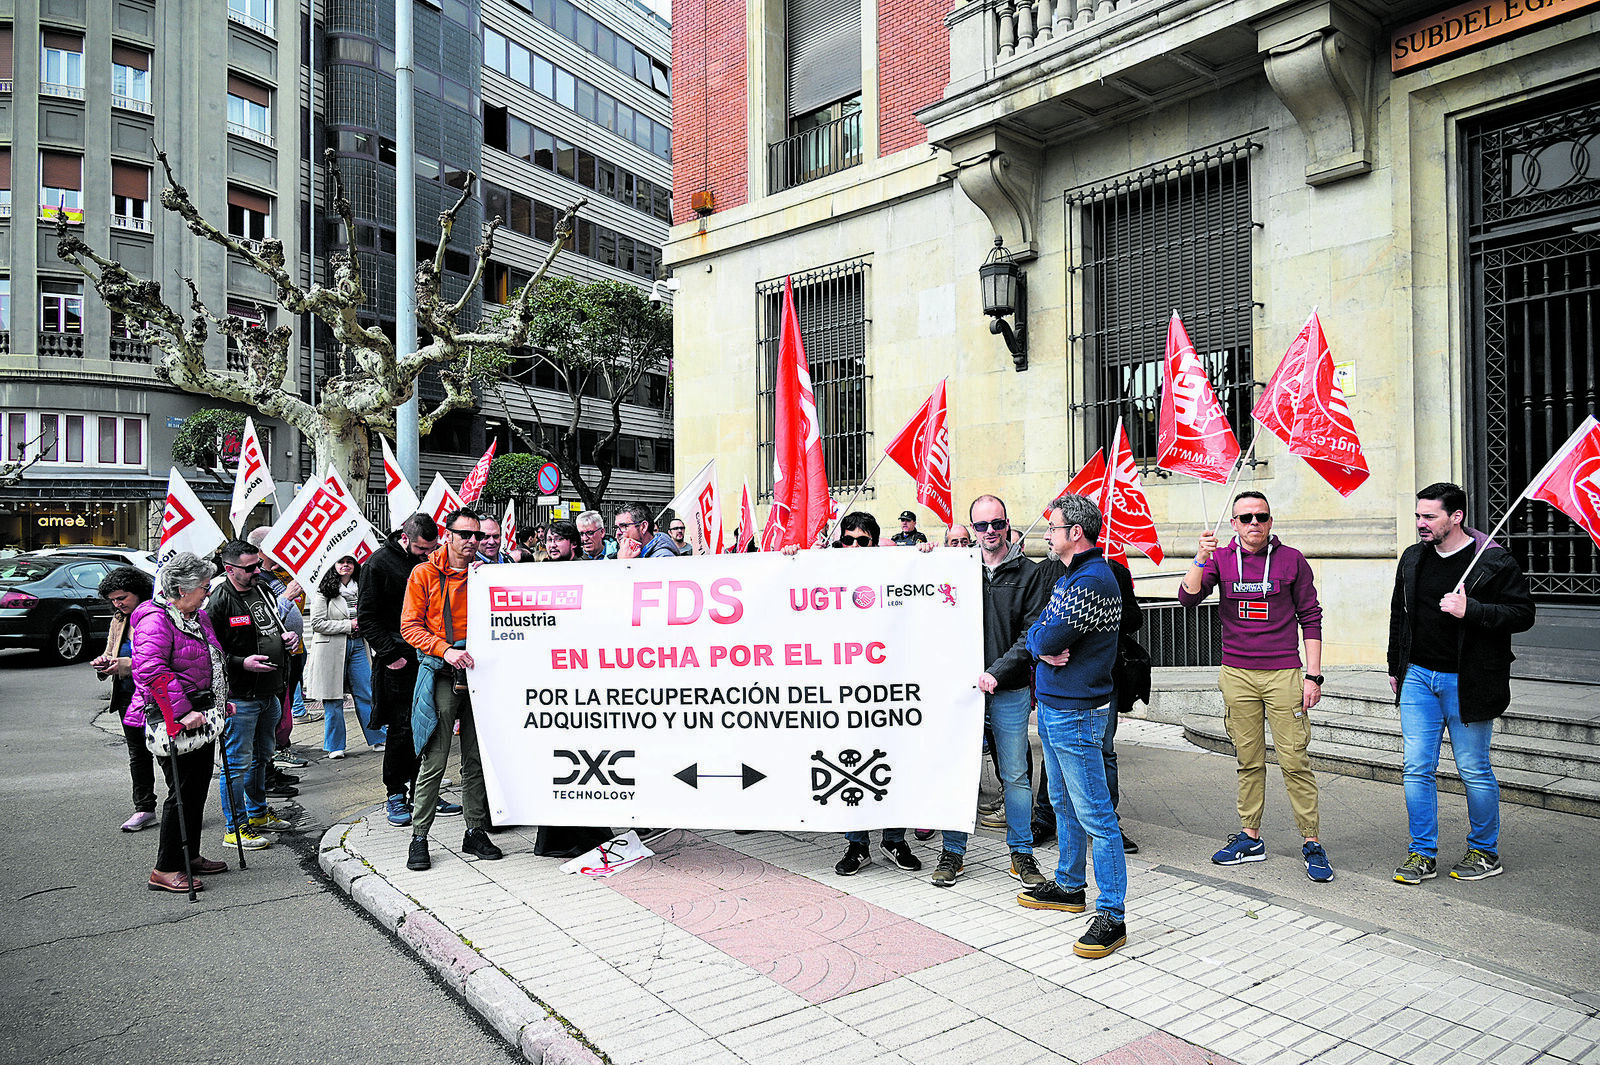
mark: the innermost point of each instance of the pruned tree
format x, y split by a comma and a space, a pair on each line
11, 470
599, 338
376, 378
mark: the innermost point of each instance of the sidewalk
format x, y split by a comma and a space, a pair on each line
728, 948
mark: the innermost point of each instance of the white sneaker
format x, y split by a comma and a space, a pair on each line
377, 746
335, 755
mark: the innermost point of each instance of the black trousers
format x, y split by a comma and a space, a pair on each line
392, 691
142, 768
194, 783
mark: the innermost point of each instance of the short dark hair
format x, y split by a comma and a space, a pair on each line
420, 526
1077, 510
562, 529
459, 513
234, 550
862, 521
1251, 494
128, 579
536, 533
636, 512
1451, 496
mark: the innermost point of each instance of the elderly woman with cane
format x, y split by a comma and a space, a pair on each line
180, 687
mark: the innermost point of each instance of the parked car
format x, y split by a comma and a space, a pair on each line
117, 556
52, 602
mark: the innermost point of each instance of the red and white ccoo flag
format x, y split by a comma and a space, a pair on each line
472, 487
253, 483
1193, 435
800, 500
922, 449
440, 500
403, 500
699, 507
321, 526
186, 525
508, 523
1570, 481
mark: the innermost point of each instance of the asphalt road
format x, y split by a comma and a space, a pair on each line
272, 965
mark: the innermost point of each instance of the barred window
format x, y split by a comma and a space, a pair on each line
831, 303
1174, 236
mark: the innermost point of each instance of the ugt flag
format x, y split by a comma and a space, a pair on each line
747, 520
1304, 407
799, 480
1123, 504
472, 487
1193, 435
923, 450
253, 483
186, 525
321, 526
440, 500
1570, 481
403, 500
700, 508
1089, 482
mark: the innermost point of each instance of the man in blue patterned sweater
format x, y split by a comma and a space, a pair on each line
1075, 641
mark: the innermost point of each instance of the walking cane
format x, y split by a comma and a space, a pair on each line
227, 782
183, 825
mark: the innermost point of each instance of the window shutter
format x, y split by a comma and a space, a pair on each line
58, 170
248, 90
250, 201
5, 169
5, 51
824, 45
67, 42
137, 58
130, 181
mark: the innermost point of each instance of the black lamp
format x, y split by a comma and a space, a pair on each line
1005, 292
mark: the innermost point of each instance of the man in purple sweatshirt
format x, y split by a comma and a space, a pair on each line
1268, 599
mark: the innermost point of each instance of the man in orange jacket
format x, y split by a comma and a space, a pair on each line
434, 621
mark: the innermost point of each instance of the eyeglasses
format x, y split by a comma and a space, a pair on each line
244, 569
998, 525
1252, 519
1063, 528
469, 534
855, 541
677, 528
628, 524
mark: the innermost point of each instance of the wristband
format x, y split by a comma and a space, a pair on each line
1197, 562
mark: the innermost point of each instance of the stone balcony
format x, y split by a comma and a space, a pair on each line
1025, 74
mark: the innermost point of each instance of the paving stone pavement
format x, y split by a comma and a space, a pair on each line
729, 948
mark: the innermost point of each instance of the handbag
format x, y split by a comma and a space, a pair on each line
162, 745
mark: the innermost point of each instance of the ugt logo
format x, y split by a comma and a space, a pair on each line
600, 768
849, 777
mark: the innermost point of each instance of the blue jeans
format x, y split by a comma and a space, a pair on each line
1429, 705
1007, 718
247, 747
358, 681
890, 835
1072, 740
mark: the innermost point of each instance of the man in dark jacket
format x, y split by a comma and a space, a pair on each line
245, 615
1014, 591
381, 598
1450, 665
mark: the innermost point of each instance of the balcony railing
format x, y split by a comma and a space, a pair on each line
67, 345
5, 210
51, 88
5, 84
1180, 636
252, 134
252, 23
124, 221
131, 103
238, 361
5, 342
126, 349
814, 153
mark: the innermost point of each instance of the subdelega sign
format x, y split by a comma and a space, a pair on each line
1472, 24
830, 691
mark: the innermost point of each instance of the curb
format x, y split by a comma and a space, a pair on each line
520, 1019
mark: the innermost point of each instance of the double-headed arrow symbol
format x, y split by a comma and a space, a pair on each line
692, 776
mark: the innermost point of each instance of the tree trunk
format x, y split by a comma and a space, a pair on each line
344, 445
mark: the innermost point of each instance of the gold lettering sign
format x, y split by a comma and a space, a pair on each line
1471, 24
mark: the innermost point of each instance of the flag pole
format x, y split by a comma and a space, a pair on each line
862, 487
1462, 583
1205, 511
1233, 483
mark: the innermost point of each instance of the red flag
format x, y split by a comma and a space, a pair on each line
1323, 433
923, 450
1088, 482
1123, 504
472, 487
799, 481
1193, 436
1275, 409
747, 520
1570, 481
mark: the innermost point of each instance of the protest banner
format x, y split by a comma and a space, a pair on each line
186, 525
828, 691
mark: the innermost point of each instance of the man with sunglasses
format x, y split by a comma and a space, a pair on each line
637, 536
1268, 602
434, 621
909, 535
1015, 590
679, 532
244, 613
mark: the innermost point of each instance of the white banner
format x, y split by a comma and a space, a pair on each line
402, 497
253, 483
186, 525
440, 500
829, 691
321, 526
699, 507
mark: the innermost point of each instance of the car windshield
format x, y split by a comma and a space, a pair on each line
21, 569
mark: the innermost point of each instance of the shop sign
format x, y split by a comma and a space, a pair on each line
1472, 24
51, 521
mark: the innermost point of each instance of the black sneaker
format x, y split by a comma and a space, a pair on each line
1103, 937
417, 859
1128, 845
854, 858
1051, 896
478, 844
901, 853
948, 871
280, 777
1043, 833
282, 791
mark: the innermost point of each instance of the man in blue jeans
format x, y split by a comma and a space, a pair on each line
1075, 641
1450, 665
1014, 591
244, 614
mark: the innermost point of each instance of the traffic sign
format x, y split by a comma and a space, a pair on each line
549, 479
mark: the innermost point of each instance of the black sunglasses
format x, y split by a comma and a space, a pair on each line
473, 534
247, 569
855, 541
998, 525
1252, 519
